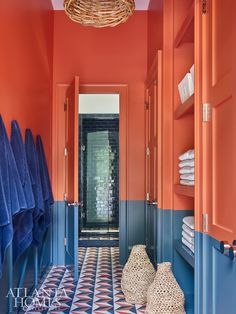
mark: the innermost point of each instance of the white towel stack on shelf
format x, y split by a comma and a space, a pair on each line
186, 168
188, 232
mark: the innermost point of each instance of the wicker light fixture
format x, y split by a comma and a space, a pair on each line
99, 13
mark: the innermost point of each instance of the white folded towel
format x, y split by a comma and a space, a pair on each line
187, 176
187, 237
187, 182
189, 221
188, 230
189, 245
187, 155
185, 170
186, 163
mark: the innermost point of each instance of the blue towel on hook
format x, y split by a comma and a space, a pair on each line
46, 186
23, 221
11, 192
33, 164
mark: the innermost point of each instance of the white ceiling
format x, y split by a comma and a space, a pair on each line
140, 4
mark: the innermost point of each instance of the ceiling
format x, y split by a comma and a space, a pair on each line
140, 4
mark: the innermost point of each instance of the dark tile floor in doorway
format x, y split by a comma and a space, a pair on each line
97, 291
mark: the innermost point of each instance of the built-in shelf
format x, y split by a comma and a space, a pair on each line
186, 31
187, 255
185, 190
186, 108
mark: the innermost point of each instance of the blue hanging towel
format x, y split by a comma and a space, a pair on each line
11, 192
23, 221
46, 184
33, 164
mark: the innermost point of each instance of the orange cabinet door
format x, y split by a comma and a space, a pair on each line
72, 201
151, 139
72, 121
219, 118
151, 171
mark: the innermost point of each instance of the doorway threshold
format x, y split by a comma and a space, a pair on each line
98, 243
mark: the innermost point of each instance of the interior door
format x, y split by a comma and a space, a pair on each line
151, 170
72, 201
219, 126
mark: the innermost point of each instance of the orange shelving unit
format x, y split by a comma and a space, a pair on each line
185, 33
183, 140
183, 114
184, 190
186, 108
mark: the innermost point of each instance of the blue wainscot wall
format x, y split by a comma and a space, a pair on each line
169, 248
132, 224
25, 273
208, 279
215, 280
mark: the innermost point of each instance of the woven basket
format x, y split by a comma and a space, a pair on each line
137, 276
164, 294
99, 13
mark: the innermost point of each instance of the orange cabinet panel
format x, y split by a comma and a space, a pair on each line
72, 127
219, 131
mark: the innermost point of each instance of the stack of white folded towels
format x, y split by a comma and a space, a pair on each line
188, 232
186, 168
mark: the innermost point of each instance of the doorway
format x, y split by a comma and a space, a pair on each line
98, 169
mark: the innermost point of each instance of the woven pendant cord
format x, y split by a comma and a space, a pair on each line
164, 294
137, 276
99, 13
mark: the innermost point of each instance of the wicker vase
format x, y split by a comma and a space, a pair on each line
165, 295
137, 276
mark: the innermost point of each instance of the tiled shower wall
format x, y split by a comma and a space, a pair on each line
99, 169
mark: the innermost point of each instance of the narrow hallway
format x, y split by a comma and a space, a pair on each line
98, 289
117, 157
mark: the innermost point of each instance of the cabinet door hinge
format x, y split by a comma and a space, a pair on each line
146, 104
206, 112
204, 6
147, 196
65, 106
64, 196
65, 152
147, 151
65, 241
205, 222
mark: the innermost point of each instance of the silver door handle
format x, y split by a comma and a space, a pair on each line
74, 204
232, 252
224, 247
155, 203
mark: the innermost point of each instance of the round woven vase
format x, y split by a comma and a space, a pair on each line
137, 276
164, 294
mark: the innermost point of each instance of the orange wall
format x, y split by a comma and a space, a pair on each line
26, 37
109, 56
155, 29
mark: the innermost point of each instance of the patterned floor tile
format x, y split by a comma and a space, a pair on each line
97, 291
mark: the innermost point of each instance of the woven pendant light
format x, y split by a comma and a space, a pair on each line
99, 13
